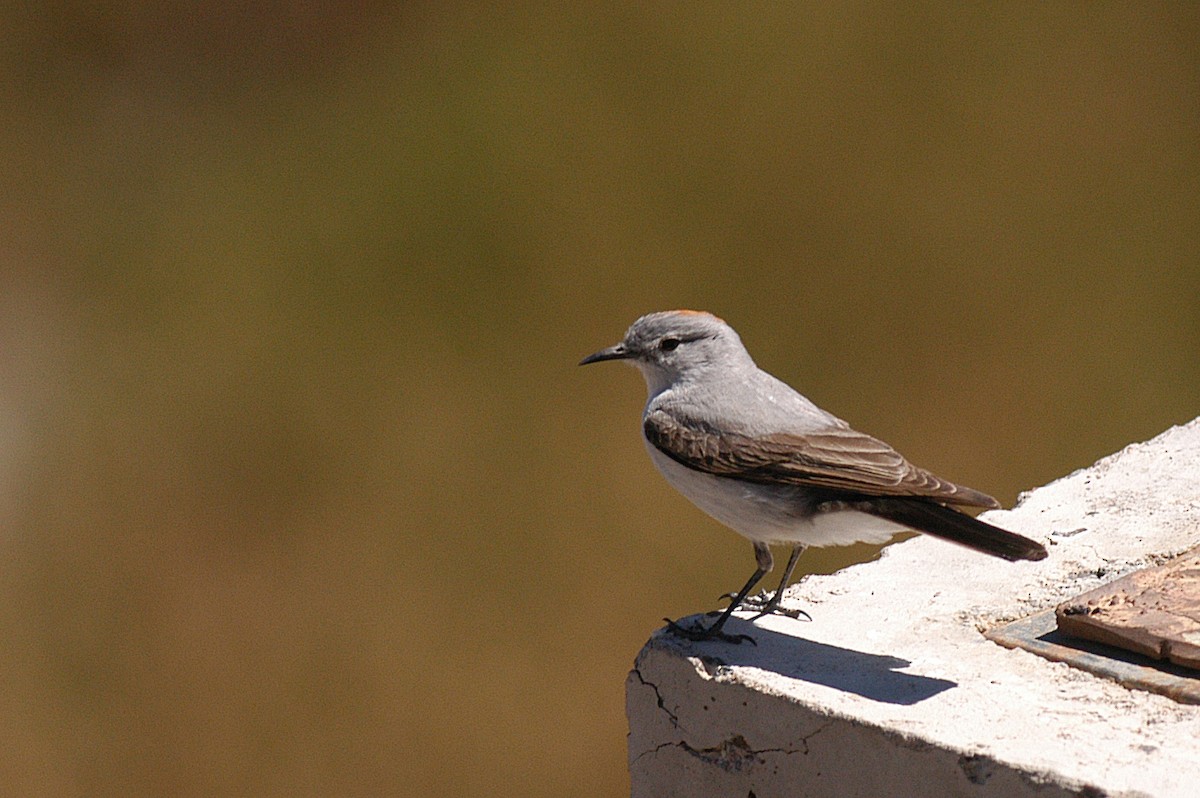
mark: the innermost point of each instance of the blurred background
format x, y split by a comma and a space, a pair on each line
301, 490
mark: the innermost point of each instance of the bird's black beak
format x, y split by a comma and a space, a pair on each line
615, 352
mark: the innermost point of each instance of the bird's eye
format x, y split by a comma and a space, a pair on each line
669, 344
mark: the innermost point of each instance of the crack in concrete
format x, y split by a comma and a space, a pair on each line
735, 753
658, 698
731, 755
655, 750
822, 728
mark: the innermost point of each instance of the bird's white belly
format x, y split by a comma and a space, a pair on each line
770, 513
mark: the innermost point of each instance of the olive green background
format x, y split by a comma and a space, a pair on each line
301, 490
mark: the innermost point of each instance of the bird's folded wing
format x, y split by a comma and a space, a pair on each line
836, 458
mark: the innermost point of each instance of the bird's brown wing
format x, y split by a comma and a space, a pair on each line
835, 458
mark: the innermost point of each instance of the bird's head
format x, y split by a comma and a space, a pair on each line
675, 345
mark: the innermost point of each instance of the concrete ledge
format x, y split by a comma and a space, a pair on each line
892, 690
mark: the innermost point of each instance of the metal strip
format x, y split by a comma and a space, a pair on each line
1039, 634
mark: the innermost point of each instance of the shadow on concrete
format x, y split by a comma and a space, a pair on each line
872, 676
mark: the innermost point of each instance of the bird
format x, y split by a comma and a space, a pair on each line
763, 460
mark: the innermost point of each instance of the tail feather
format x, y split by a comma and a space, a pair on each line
957, 527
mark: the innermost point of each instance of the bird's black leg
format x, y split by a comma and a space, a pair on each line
762, 554
772, 606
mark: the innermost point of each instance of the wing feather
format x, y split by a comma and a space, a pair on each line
837, 458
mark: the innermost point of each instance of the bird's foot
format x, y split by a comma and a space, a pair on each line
699, 633
769, 605
773, 608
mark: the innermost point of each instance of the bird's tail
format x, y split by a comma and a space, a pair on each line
957, 527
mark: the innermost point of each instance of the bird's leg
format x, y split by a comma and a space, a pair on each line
772, 606
762, 555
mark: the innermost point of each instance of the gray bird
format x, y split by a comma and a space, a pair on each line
775, 468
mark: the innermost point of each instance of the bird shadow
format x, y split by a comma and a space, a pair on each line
873, 676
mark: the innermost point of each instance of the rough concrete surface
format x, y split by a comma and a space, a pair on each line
892, 690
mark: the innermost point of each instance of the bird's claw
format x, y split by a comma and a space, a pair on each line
769, 605
699, 634
795, 614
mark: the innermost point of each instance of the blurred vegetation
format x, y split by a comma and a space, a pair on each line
302, 493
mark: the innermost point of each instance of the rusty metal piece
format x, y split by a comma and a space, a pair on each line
1154, 612
1039, 635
